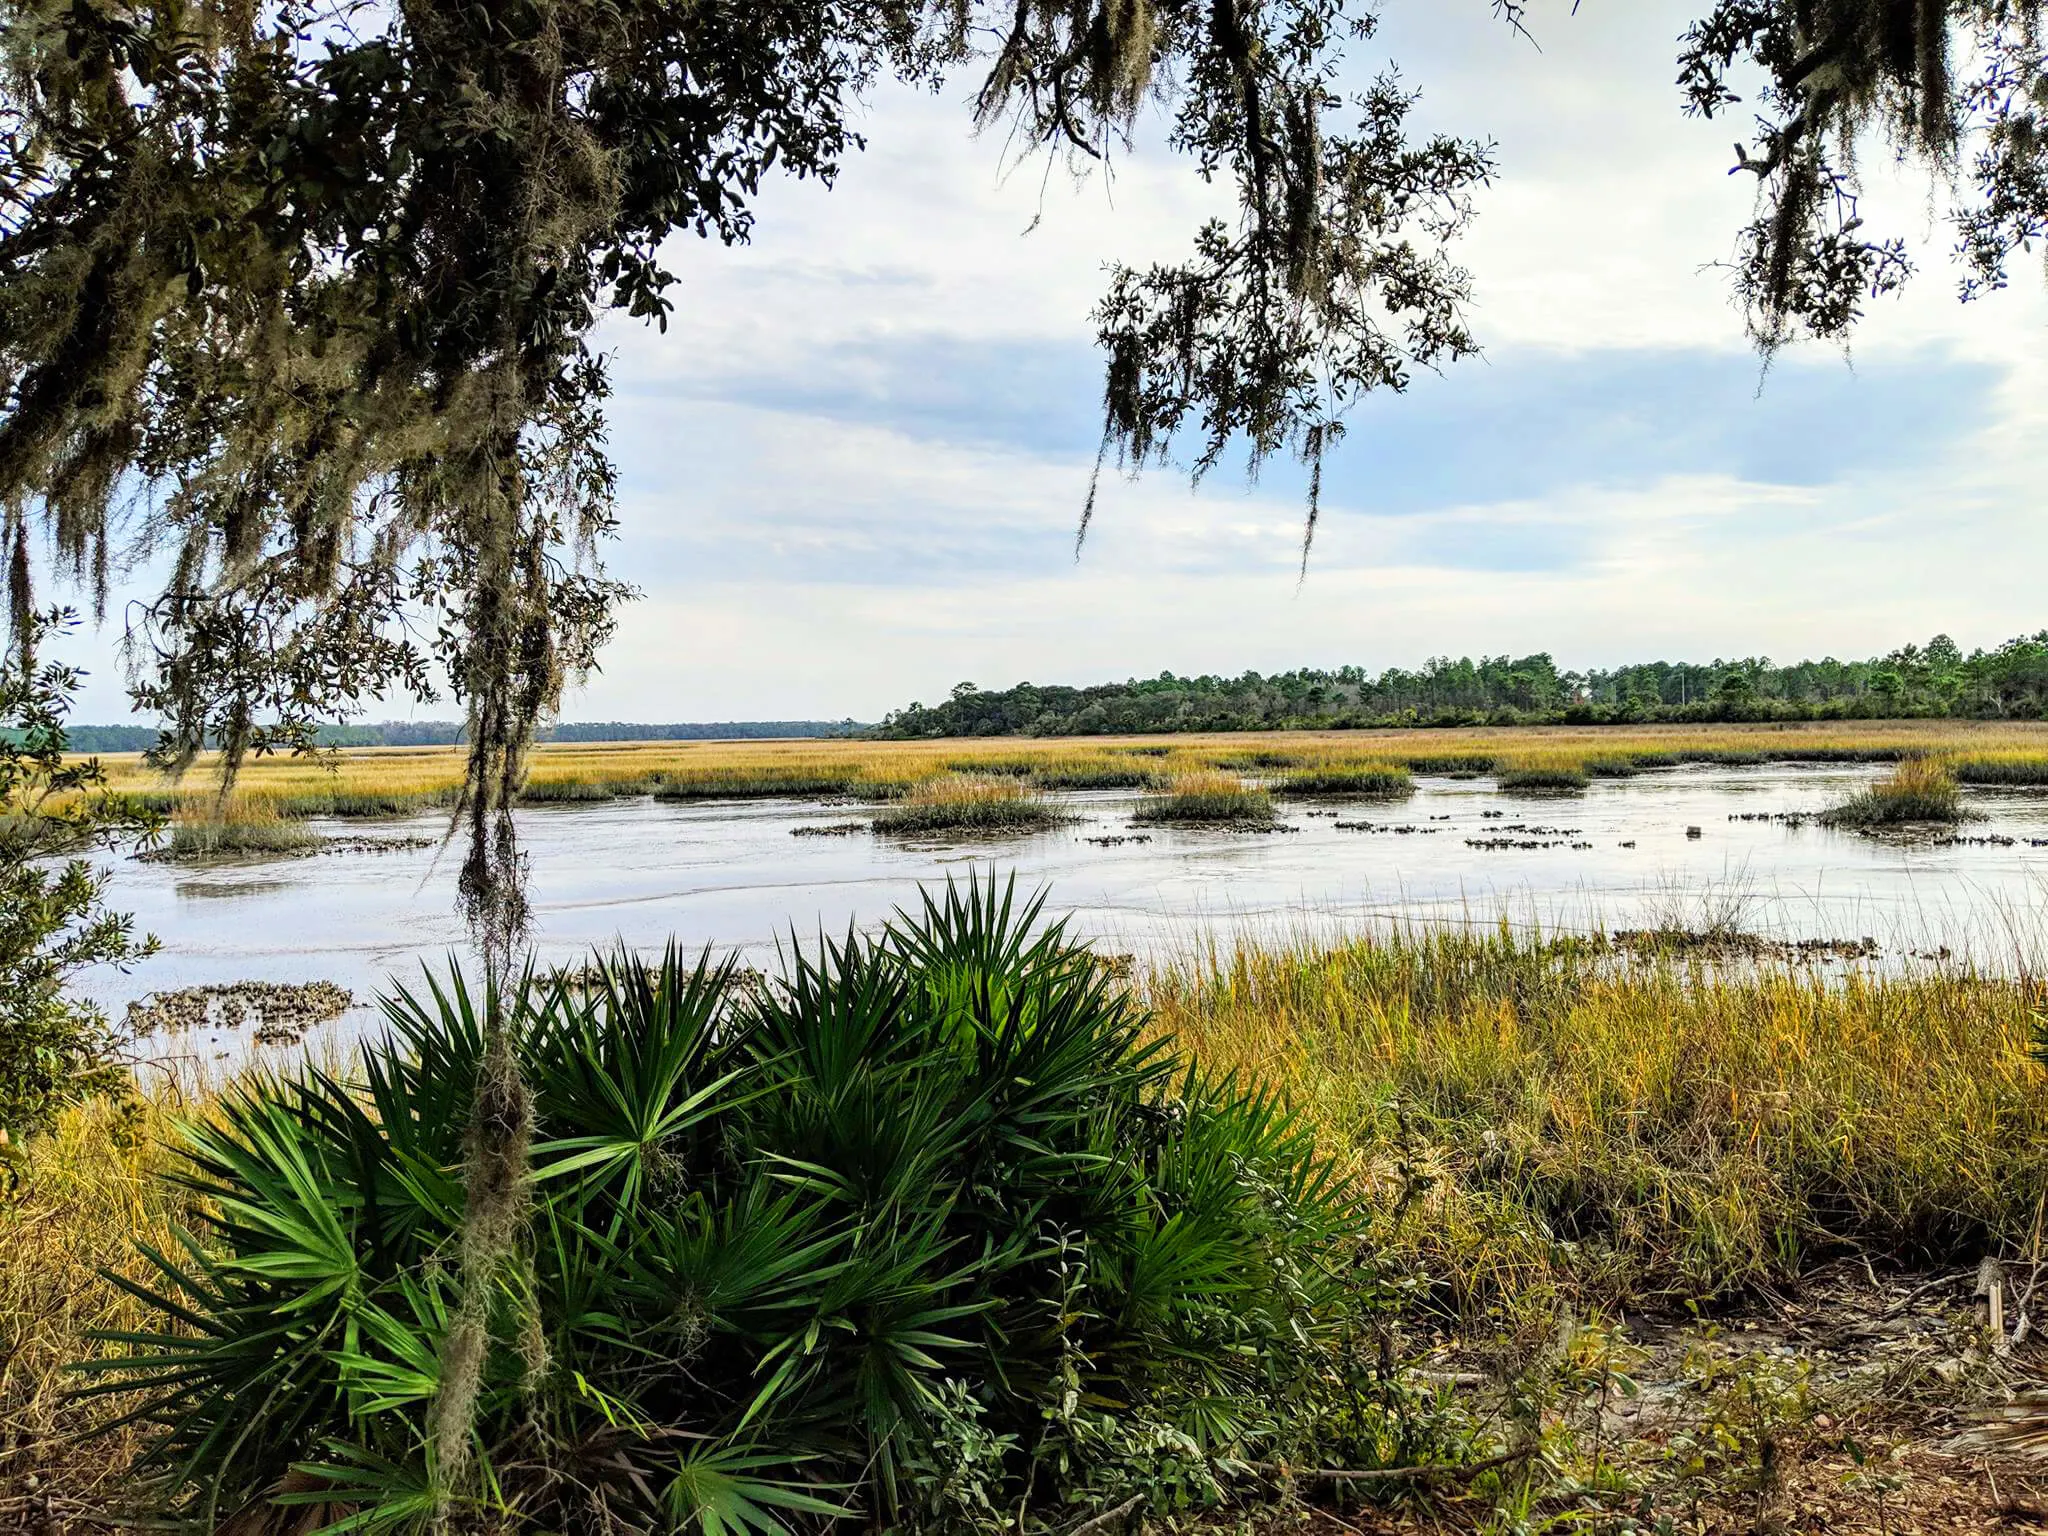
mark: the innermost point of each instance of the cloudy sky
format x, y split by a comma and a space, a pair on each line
852, 468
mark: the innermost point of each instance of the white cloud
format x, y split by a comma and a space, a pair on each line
833, 509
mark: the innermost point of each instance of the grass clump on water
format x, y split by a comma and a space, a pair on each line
1919, 789
1542, 775
1376, 781
968, 802
1208, 797
244, 825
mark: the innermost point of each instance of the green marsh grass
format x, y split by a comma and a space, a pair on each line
2013, 770
1208, 797
1100, 772
968, 802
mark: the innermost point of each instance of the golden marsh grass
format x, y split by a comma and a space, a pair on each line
967, 802
1208, 795
1546, 1121
392, 780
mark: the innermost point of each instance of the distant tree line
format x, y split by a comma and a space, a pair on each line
448, 733
1937, 679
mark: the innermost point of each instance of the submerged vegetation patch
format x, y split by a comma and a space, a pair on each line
278, 1013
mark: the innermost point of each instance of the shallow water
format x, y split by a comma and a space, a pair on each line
731, 873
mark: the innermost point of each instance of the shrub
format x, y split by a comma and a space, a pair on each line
1918, 789
1211, 797
54, 813
968, 802
926, 1226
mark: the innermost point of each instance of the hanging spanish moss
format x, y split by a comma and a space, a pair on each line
1844, 72
312, 323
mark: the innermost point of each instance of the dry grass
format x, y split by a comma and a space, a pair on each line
1548, 1122
1208, 796
85, 1195
968, 802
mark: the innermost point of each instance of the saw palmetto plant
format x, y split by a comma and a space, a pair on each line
927, 1221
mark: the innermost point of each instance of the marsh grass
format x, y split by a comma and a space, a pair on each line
1378, 781
1542, 775
1101, 771
721, 783
968, 802
1208, 797
577, 791
243, 825
1919, 789
80, 1198
2011, 769
1547, 1122
385, 781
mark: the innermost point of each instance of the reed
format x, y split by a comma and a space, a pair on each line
1376, 781
1919, 789
1548, 1122
968, 802
1208, 797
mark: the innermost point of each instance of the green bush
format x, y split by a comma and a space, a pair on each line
926, 1230
54, 813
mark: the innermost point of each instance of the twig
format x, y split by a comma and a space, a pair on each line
1107, 1518
1920, 1290
1463, 1474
